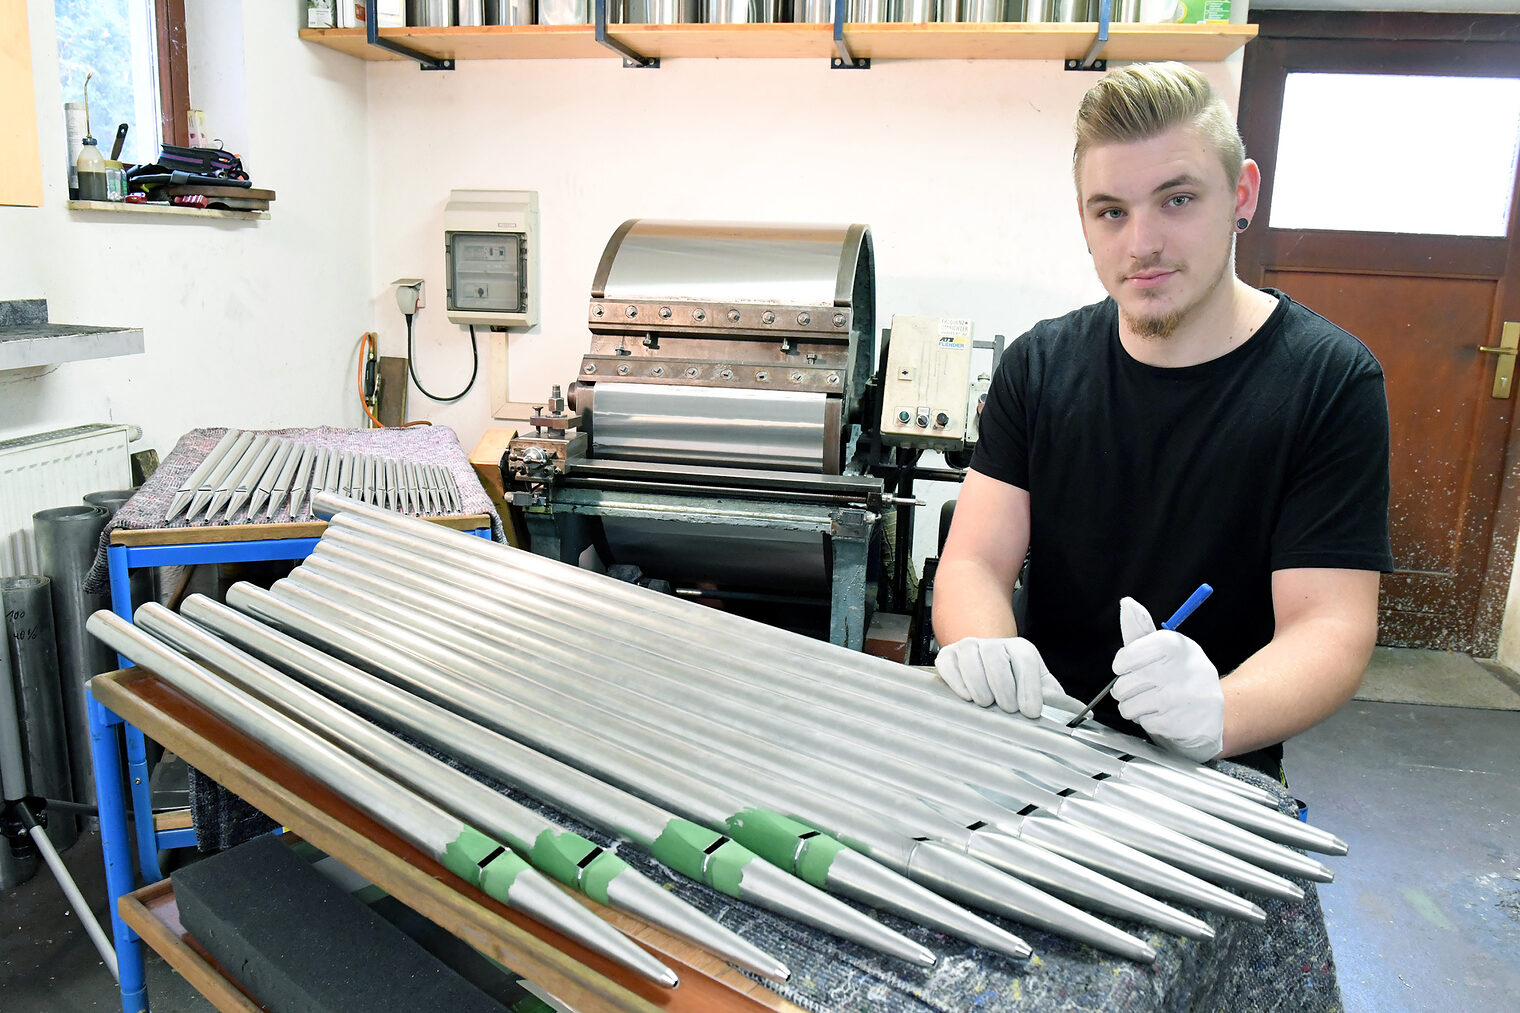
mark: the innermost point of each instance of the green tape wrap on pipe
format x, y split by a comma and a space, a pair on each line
465, 853
786, 842
703, 854
564, 855
498, 874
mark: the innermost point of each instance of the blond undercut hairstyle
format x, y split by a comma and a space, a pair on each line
1139, 101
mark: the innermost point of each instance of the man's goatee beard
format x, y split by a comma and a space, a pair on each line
1156, 328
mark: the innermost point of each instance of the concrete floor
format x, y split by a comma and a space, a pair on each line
1424, 913
1425, 910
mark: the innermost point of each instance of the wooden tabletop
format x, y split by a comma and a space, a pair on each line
579, 977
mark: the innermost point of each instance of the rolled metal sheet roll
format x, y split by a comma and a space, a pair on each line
779, 430
12, 750
28, 606
13, 870
67, 538
144, 580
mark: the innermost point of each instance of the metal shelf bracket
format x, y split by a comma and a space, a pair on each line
1091, 61
372, 36
630, 58
843, 59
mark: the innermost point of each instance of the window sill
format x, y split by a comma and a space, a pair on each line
122, 207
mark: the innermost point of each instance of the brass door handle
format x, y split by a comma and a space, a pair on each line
1509, 347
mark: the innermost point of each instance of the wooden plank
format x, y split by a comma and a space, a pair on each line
179, 819
220, 533
20, 156
154, 915
1016, 41
583, 979
124, 207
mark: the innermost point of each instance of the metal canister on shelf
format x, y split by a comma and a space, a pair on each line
570, 12
874, 11
742, 12
988, 11
812, 12
434, 13
656, 12
510, 12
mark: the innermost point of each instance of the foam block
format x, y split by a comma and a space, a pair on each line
301, 944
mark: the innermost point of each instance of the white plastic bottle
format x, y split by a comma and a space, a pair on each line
91, 168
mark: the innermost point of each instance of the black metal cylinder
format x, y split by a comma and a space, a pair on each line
144, 580
67, 539
33, 653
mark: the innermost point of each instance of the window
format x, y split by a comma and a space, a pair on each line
135, 52
1418, 155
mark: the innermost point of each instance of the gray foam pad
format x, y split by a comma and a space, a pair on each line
301, 944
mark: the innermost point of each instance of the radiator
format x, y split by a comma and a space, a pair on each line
50, 470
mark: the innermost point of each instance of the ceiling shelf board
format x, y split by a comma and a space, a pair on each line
1191, 43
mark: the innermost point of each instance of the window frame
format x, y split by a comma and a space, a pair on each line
173, 71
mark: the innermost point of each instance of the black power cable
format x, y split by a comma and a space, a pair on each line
411, 365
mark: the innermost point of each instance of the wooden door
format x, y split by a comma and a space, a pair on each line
1423, 304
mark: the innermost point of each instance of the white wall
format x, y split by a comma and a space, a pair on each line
247, 324
961, 168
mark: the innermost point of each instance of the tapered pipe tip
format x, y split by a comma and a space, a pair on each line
1336, 846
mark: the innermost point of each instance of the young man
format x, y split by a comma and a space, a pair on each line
1189, 429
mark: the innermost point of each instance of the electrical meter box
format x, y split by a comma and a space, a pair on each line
490, 242
925, 398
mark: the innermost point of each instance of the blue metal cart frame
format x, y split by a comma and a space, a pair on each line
106, 749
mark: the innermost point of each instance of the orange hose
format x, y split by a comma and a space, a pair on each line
368, 342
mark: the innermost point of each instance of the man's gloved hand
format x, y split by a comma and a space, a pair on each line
1007, 671
1168, 686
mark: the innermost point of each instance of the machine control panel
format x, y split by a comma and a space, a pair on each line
928, 376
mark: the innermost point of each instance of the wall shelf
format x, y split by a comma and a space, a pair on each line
1189, 43
123, 207
49, 344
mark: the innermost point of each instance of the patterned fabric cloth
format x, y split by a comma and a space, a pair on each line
421, 444
1283, 965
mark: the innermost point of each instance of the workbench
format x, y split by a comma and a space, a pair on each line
1284, 965
122, 759
579, 977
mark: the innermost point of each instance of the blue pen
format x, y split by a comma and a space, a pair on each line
1195, 599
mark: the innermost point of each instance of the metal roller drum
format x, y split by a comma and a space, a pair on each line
67, 538
771, 430
144, 580
33, 657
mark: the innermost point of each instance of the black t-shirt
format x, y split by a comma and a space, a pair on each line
1147, 481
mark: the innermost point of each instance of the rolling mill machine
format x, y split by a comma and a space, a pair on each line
728, 429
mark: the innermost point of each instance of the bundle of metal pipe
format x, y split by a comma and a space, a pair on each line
474, 856
1044, 779
553, 850
680, 844
892, 694
263, 472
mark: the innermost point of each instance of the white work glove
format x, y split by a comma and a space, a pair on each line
1007, 671
1168, 686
